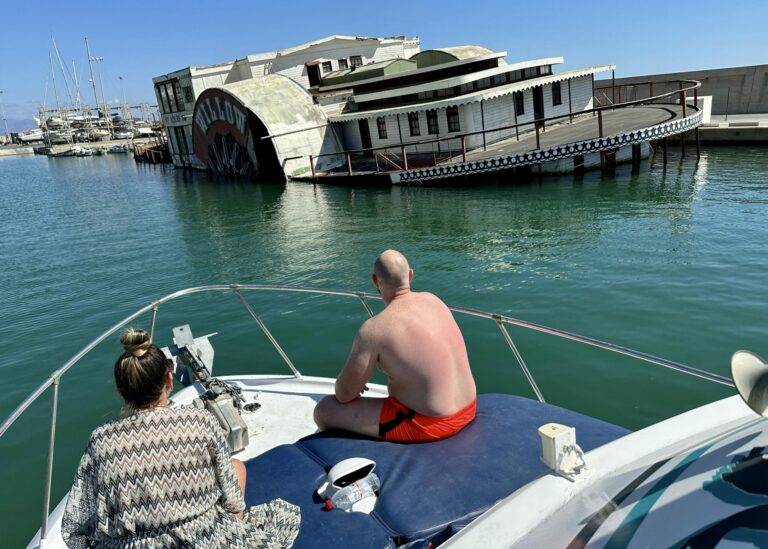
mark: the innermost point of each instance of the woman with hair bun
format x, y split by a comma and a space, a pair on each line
162, 477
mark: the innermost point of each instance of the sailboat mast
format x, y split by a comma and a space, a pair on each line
90, 70
63, 72
58, 105
53, 79
77, 85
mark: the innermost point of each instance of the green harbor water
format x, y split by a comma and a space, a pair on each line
671, 262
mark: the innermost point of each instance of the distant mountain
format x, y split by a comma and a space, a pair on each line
17, 124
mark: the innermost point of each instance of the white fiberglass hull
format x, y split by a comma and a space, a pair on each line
551, 511
657, 487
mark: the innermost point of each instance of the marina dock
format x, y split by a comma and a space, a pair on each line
736, 128
13, 150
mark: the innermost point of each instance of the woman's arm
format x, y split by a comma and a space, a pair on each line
231, 497
78, 525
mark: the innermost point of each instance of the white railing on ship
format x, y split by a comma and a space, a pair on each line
500, 320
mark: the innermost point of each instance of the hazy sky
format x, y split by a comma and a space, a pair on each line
141, 39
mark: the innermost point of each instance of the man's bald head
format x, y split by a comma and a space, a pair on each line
392, 270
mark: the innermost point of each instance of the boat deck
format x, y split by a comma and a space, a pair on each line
582, 129
620, 128
428, 491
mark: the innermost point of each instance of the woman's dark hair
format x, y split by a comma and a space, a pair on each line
140, 371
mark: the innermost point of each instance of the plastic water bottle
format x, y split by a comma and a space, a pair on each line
346, 497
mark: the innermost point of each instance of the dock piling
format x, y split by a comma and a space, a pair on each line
698, 145
636, 154
600, 134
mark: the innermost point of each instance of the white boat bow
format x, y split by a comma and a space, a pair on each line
487, 485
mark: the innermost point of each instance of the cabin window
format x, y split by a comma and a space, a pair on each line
177, 94
189, 95
530, 72
519, 103
355, 60
327, 67
171, 96
432, 122
413, 123
343, 64
181, 141
162, 97
556, 95
452, 113
381, 124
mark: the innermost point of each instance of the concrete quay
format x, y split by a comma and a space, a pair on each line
736, 128
13, 150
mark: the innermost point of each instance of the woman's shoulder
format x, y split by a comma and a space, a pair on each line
166, 416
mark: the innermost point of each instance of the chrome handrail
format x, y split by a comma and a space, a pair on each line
362, 296
55, 378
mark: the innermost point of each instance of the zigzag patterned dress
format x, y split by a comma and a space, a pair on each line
163, 478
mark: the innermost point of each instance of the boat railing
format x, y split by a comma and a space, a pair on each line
501, 321
461, 144
389, 158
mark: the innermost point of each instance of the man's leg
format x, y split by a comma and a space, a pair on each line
359, 416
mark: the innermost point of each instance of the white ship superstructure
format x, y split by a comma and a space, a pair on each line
380, 107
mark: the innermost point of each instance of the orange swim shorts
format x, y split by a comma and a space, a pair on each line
398, 423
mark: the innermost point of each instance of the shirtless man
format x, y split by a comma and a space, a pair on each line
417, 344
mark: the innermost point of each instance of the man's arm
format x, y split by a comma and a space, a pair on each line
359, 367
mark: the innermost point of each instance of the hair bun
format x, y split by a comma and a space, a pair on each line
135, 341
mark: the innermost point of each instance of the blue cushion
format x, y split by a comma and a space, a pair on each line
286, 472
428, 490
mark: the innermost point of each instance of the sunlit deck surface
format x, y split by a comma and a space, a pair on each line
583, 128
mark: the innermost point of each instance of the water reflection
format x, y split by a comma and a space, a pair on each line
308, 234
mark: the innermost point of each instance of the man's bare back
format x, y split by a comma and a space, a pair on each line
422, 352
416, 342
